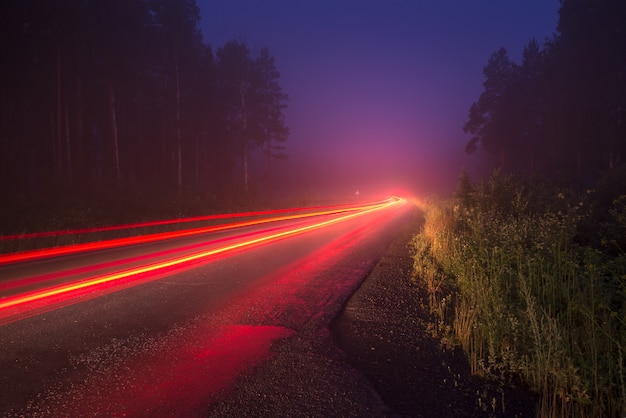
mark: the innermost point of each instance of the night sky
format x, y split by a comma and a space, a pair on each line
378, 90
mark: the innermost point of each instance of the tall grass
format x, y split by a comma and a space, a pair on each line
527, 295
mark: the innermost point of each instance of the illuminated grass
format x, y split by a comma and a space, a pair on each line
532, 298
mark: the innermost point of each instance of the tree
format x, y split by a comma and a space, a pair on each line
491, 117
273, 131
252, 102
234, 92
530, 106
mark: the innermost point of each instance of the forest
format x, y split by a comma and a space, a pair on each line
111, 106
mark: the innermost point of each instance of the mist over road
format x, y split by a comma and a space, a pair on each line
170, 344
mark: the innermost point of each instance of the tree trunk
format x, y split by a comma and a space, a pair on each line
68, 148
58, 148
269, 169
196, 162
179, 168
244, 133
79, 148
269, 160
245, 166
114, 134
6, 165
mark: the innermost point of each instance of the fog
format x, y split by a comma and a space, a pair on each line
378, 91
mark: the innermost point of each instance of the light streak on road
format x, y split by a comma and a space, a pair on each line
142, 239
137, 225
156, 269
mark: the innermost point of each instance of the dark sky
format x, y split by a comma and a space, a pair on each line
379, 90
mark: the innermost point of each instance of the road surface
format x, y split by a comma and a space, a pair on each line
169, 342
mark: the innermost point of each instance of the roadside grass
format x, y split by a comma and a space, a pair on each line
531, 282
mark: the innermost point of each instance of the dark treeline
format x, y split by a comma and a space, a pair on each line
561, 113
111, 99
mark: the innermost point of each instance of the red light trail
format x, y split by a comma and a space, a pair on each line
151, 270
142, 239
107, 228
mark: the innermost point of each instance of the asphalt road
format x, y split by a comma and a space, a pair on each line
172, 345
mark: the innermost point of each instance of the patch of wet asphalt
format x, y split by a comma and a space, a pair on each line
375, 357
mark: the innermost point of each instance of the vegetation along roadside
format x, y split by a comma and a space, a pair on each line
530, 280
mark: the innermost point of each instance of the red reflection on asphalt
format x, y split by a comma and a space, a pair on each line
80, 231
24, 283
187, 370
184, 377
278, 299
18, 306
142, 239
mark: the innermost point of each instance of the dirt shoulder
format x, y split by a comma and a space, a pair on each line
377, 358
383, 330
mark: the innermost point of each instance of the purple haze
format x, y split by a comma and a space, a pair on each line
379, 90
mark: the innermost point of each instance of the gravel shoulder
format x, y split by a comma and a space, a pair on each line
377, 358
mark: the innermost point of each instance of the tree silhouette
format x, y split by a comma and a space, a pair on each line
560, 113
253, 101
490, 118
271, 122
